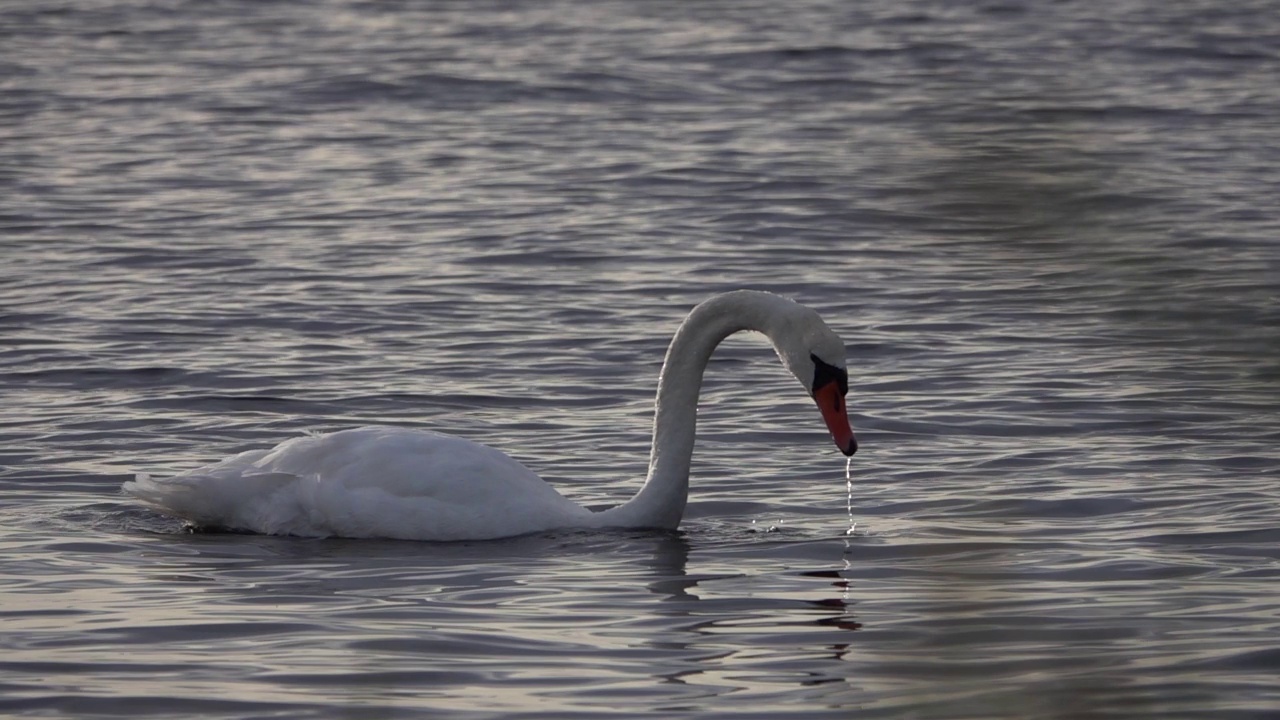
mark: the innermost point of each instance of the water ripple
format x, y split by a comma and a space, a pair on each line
1045, 233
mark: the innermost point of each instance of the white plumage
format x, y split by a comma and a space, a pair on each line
367, 482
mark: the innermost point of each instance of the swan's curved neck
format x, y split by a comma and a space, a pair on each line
660, 502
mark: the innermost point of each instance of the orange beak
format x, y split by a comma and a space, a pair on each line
834, 413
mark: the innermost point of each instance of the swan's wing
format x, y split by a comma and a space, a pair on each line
405, 463
367, 482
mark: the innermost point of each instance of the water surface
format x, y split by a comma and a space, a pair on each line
1047, 232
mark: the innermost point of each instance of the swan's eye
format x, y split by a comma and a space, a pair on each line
824, 373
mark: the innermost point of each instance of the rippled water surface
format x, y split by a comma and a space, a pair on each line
1047, 232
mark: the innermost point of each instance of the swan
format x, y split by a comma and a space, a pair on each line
389, 482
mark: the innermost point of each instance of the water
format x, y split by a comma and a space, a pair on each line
1047, 232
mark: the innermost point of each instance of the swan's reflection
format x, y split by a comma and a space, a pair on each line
560, 603
699, 639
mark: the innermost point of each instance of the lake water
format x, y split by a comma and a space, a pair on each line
1048, 233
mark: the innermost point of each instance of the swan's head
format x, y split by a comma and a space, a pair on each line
815, 355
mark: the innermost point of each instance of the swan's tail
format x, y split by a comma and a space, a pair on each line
208, 500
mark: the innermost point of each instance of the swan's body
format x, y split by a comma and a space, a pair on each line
368, 482
411, 484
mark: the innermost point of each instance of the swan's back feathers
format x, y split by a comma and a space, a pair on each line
366, 482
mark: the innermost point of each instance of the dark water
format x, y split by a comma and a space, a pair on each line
1047, 232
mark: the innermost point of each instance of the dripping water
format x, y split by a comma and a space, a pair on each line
848, 485
848, 566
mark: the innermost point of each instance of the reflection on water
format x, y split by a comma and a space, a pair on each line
429, 616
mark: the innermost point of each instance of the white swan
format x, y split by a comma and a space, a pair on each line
411, 484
